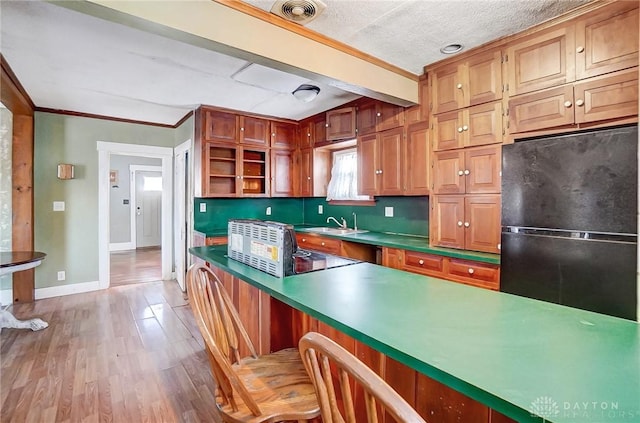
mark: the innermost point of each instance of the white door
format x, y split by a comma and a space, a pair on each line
180, 212
148, 208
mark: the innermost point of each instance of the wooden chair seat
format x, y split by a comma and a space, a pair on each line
326, 360
253, 389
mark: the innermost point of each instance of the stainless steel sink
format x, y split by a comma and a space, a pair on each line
336, 231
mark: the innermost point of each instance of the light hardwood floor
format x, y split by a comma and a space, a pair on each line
131, 353
136, 266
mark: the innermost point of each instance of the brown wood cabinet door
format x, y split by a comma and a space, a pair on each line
475, 273
305, 136
255, 314
392, 257
366, 118
416, 160
320, 131
483, 125
482, 223
389, 116
220, 127
368, 164
448, 172
221, 167
391, 164
423, 263
544, 109
254, 172
542, 61
283, 135
281, 173
482, 169
448, 221
484, 78
608, 97
448, 131
306, 172
341, 124
437, 402
254, 131
607, 40
447, 89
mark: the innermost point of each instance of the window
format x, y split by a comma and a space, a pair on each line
152, 183
343, 185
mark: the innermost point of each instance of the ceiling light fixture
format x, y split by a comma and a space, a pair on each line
451, 48
306, 92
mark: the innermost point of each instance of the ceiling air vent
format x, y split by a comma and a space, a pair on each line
298, 11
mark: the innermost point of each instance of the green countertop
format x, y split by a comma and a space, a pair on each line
511, 353
405, 242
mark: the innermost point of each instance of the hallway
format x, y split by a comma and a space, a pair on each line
136, 266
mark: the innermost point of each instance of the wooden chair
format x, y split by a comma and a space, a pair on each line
268, 388
324, 358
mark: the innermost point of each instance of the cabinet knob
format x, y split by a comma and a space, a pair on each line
466, 224
499, 246
322, 243
470, 271
460, 129
378, 114
304, 239
309, 178
465, 128
241, 129
466, 171
308, 134
273, 134
580, 49
579, 103
459, 86
421, 262
567, 104
326, 125
459, 222
380, 171
460, 173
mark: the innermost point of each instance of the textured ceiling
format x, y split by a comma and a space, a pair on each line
67, 60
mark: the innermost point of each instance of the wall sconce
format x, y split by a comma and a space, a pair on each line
65, 171
306, 92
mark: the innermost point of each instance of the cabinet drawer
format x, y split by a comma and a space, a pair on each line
474, 273
318, 243
426, 264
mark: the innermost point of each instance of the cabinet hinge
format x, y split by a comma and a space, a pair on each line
504, 131
507, 87
432, 126
508, 124
430, 106
507, 112
505, 58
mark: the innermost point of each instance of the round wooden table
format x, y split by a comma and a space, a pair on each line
17, 261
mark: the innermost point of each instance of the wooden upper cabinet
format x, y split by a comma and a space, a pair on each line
305, 172
341, 124
543, 109
541, 61
607, 39
367, 118
448, 172
416, 160
283, 135
608, 97
474, 81
282, 177
420, 112
473, 126
319, 131
471, 170
389, 116
220, 127
391, 163
368, 164
305, 134
254, 131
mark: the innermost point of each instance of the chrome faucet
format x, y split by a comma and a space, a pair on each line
343, 225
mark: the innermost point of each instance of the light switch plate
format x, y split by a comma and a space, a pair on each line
61, 275
203, 207
320, 209
268, 212
388, 212
58, 206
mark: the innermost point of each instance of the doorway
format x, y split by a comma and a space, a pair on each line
106, 151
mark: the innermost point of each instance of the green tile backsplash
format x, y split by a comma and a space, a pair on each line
410, 214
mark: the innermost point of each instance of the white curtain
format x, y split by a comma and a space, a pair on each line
344, 177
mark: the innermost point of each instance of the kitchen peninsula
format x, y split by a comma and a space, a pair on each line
512, 354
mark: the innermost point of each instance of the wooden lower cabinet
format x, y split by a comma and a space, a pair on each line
319, 243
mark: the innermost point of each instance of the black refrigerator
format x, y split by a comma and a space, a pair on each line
569, 220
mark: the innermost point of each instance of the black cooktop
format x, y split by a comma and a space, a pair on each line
305, 261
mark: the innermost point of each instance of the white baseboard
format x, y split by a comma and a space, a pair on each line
74, 288
121, 246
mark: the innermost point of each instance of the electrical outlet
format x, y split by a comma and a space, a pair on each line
388, 212
61, 275
58, 206
203, 207
268, 212
320, 209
